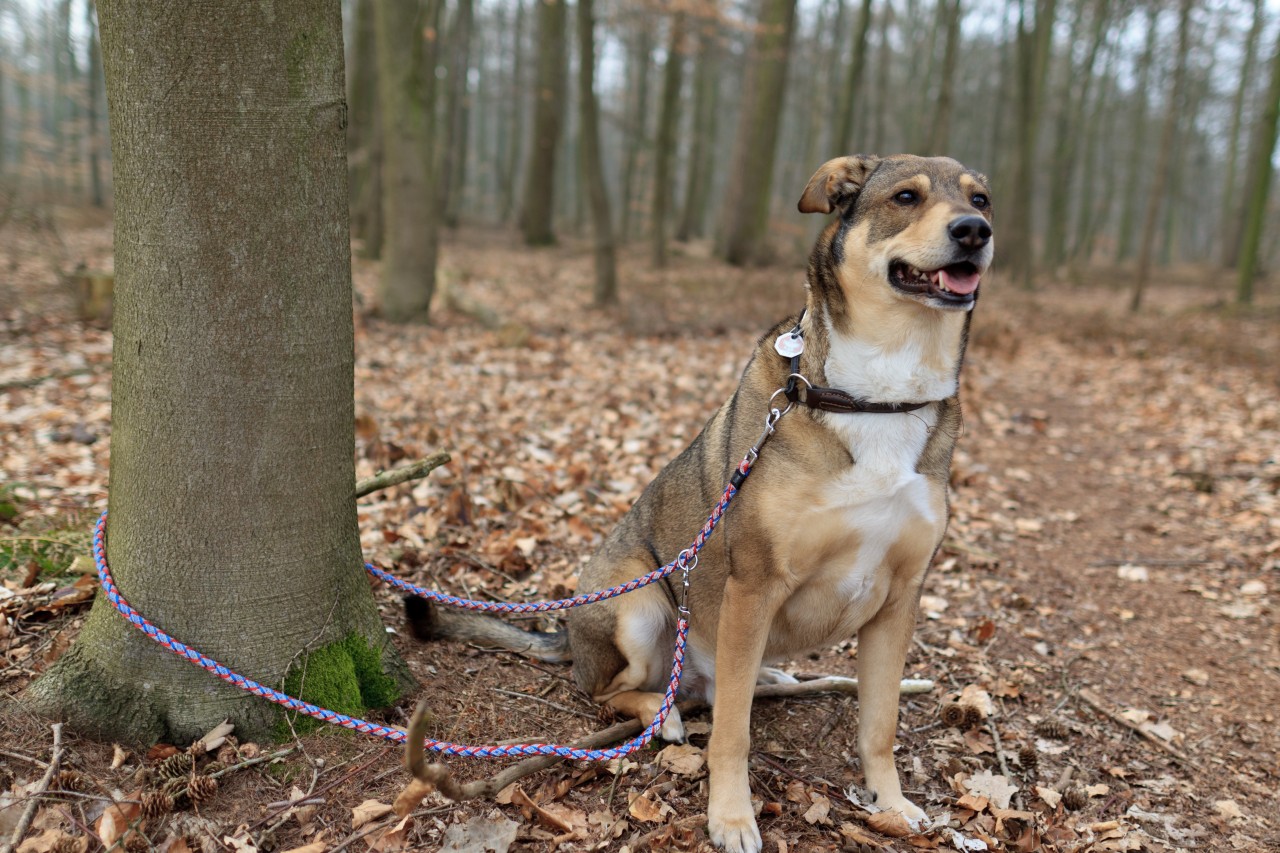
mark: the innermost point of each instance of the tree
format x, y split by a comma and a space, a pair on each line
853, 82
548, 120
364, 131
744, 215
458, 115
668, 118
1164, 157
1259, 183
706, 101
406, 95
1131, 197
639, 60
96, 196
940, 129
233, 522
1231, 209
606, 288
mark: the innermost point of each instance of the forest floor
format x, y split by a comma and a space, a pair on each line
1107, 594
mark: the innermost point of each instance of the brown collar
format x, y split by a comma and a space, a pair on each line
832, 399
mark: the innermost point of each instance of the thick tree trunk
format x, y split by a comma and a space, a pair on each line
849, 97
745, 213
536, 218
232, 502
1232, 210
1259, 182
1164, 157
668, 119
364, 132
606, 287
406, 88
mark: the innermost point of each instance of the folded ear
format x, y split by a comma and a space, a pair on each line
837, 183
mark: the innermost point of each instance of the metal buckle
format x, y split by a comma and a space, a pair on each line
685, 566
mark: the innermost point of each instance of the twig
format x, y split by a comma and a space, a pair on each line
249, 762
1003, 759
30, 811
835, 684
27, 758
324, 789
1096, 703
356, 836
396, 476
542, 701
683, 824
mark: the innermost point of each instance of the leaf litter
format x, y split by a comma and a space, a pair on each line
1093, 448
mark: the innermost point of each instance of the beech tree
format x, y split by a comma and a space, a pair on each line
548, 120
232, 522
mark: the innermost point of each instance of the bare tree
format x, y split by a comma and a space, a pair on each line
1259, 182
668, 118
548, 121
606, 286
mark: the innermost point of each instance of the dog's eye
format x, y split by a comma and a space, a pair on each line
906, 197
979, 201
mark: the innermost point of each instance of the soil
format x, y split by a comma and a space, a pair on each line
1105, 599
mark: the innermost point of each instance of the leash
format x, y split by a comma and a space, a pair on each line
686, 561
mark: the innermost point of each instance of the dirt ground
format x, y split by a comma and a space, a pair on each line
1105, 599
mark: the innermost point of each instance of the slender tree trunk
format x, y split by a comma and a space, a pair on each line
850, 97
706, 101
406, 87
1096, 188
94, 149
940, 132
1138, 151
745, 213
548, 122
1164, 157
1259, 183
364, 132
233, 521
1232, 210
458, 114
606, 286
884, 56
639, 59
668, 120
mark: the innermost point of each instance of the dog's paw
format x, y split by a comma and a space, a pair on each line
672, 729
909, 810
735, 832
771, 675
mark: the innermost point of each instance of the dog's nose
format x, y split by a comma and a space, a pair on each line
972, 232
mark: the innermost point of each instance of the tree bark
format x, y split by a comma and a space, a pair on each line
853, 82
668, 119
940, 131
406, 95
458, 114
639, 60
1164, 157
94, 85
364, 132
1259, 182
1138, 151
745, 212
233, 521
1232, 210
606, 285
536, 218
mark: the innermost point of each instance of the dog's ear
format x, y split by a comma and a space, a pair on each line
837, 183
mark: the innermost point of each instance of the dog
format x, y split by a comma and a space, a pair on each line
844, 509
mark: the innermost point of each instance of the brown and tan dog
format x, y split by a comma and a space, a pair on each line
834, 530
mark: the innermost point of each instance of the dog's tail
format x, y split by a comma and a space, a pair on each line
428, 622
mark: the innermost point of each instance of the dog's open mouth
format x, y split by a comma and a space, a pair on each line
956, 284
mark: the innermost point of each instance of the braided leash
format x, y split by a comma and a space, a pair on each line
686, 561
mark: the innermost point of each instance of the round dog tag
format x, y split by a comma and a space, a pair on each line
789, 345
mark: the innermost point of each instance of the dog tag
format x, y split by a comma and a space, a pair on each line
789, 345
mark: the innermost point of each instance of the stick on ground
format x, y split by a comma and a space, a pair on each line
1097, 704
396, 476
30, 811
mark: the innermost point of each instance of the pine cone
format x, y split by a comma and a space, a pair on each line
227, 754
972, 716
156, 804
197, 749
1075, 799
201, 788
70, 780
214, 767
953, 714
1053, 728
176, 765
175, 788
1029, 758
136, 842
66, 844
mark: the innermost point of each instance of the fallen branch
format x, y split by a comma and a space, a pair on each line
29, 812
396, 476
436, 776
1096, 703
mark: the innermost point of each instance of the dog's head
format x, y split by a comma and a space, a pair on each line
914, 229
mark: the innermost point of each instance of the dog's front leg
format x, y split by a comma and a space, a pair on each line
882, 656
746, 613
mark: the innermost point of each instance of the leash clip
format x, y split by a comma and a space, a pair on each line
683, 562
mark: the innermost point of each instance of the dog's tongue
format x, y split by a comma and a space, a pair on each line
959, 282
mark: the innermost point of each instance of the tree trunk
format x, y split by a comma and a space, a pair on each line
639, 59
406, 90
1259, 182
536, 218
884, 57
606, 287
1232, 210
745, 212
94, 85
364, 132
706, 103
1164, 157
233, 520
853, 82
458, 114
1138, 151
668, 120
940, 131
